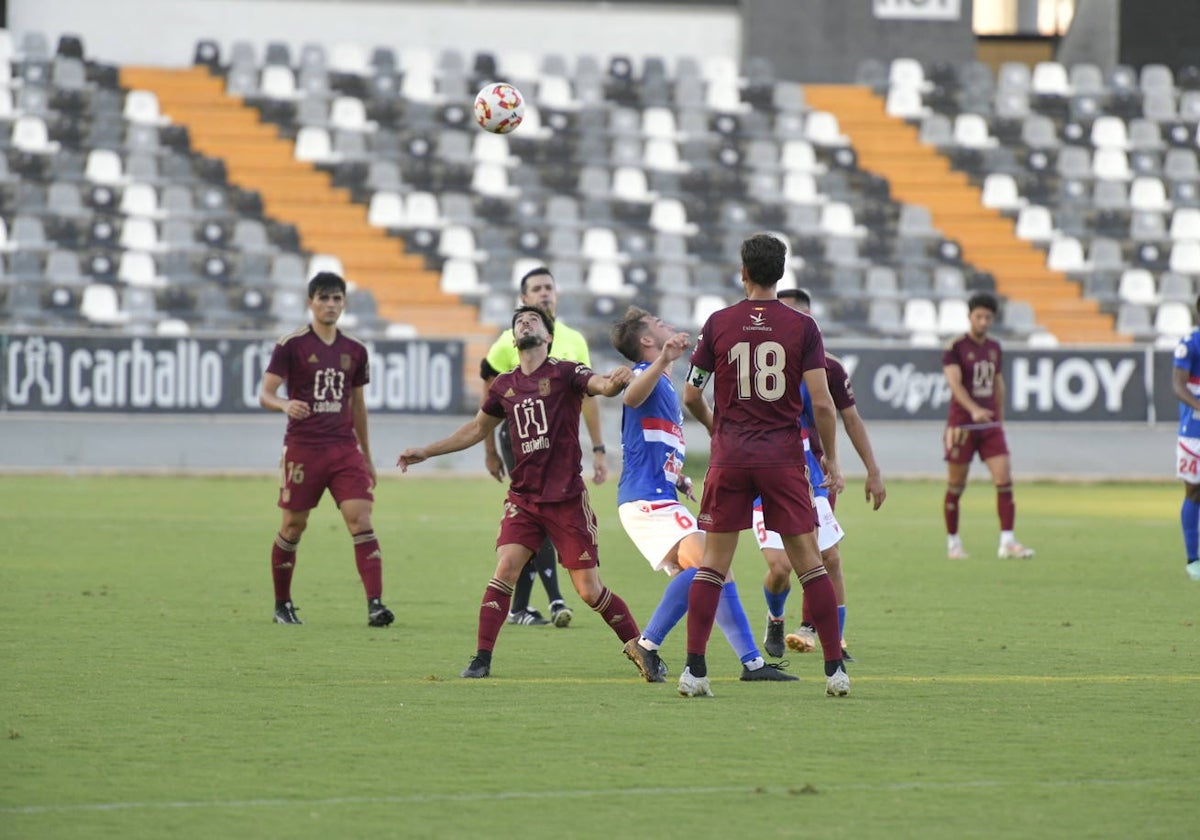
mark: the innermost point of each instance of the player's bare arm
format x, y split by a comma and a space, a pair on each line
491, 453
611, 383
856, 430
643, 385
1000, 394
825, 417
591, 419
358, 411
466, 436
268, 398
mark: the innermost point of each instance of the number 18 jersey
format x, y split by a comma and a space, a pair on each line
758, 352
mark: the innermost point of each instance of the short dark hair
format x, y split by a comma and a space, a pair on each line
546, 319
534, 272
626, 334
801, 295
326, 281
984, 300
763, 257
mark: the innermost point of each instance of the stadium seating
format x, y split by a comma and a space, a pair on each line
635, 179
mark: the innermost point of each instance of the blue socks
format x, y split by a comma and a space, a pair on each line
671, 608
776, 602
732, 620
1189, 520
731, 617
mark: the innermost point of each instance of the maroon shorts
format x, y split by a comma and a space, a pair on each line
961, 445
306, 471
570, 524
787, 499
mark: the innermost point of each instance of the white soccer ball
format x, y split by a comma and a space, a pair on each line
499, 107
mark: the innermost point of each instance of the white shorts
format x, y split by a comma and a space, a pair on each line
829, 532
656, 527
1187, 459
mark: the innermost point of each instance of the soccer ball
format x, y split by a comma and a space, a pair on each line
499, 107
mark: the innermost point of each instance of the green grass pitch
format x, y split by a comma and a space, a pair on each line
146, 693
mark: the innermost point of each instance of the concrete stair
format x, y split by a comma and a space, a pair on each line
919, 175
327, 220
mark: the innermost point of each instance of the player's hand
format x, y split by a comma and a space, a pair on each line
674, 346
687, 487
495, 465
834, 481
618, 378
982, 415
599, 468
875, 491
409, 457
296, 409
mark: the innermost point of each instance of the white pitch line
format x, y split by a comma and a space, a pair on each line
435, 798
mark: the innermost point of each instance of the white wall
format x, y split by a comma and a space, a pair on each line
164, 32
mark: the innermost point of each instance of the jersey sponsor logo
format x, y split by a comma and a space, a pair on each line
312, 360
529, 415
663, 431
345, 361
758, 323
544, 387
1181, 350
510, 393
329, 387
585, 556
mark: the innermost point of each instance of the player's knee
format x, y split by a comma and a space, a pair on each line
831, 559
589, 593
1192, 492
360, 524
292, 529
779, 576
955, 489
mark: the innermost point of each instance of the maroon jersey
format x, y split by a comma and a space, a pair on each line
322, 375
980, 365
758, 351
542, 410
843, 398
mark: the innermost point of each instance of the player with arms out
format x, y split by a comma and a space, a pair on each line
538, 289
326, 444
662, 528
757, 352
973, 366
540, 400
1185, 381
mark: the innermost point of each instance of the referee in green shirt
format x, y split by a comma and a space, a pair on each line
538, 289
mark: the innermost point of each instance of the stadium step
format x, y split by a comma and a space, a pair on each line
257, 158
919, 175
